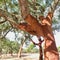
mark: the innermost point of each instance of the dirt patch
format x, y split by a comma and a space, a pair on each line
25, 56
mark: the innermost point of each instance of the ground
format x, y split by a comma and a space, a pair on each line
25, 56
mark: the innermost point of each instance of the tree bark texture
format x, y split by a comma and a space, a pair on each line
24, 8
44, 29
41, 29
50, 51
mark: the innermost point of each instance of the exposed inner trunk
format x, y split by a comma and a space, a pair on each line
41, 29
50, 51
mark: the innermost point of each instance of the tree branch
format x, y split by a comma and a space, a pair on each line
54, 4
5, 33
34, 42
30, 19
24, 8
22, 26
2, 22
35, 25
5, 15
27, 27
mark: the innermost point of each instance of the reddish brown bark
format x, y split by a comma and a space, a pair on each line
35, 25
41, 29
44, 29
50, 51
27, 27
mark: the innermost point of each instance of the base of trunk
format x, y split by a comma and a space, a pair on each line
51, 52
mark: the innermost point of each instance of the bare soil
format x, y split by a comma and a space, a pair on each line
25, 56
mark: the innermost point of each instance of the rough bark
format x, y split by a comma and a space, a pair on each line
34, 25
24, 8
44, 29
50, 45
27, 27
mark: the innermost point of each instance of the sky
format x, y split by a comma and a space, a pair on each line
57, 38
11, 36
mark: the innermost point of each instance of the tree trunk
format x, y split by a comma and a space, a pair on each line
41, 53
20, 51
44, 29
50, 51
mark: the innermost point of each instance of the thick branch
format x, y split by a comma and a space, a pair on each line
24, 8
35, 25
30, 19
22, 26
54, 4
2, 22
27, 27
5, 33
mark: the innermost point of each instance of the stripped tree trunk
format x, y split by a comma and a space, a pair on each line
50, 45
44, 29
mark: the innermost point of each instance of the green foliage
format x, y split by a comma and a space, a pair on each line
15, 46
34, 50
8, 46
59, 48
31, 49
